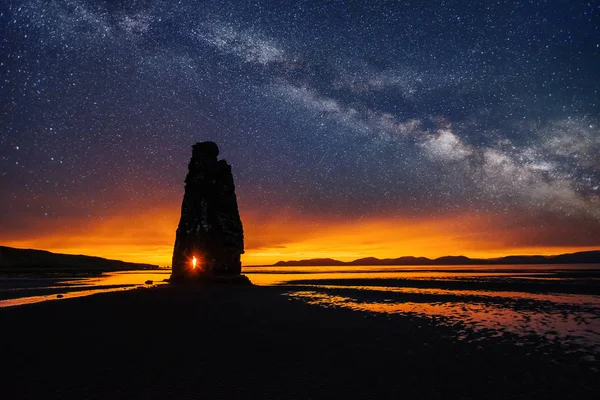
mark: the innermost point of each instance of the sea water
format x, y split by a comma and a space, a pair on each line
556, 303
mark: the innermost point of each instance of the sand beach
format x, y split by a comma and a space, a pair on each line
194, 341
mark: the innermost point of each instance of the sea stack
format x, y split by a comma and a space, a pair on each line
210, 237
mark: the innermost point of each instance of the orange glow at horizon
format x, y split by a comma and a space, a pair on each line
148, 237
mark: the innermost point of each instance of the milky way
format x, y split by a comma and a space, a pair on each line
344, 110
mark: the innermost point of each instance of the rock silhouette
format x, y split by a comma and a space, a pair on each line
210, 237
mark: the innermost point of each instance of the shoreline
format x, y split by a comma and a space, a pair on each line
216, 341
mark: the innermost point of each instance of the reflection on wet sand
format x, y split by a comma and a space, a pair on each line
571, 320
19, 301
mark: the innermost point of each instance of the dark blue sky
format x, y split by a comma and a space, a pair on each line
345, 109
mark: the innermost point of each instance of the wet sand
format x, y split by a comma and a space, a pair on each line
251, 342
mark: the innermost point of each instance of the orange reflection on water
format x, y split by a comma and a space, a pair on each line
122, 278
570, 299
105, 283
268, 276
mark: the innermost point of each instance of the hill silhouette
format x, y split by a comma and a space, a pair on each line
12, 259
583, 257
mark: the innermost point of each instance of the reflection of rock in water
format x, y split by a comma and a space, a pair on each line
210, 230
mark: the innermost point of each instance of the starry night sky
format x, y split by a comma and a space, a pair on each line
473, 125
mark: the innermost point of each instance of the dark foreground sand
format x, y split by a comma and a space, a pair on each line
252, 342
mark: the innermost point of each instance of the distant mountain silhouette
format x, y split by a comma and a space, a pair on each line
313, 262
583, 257
19, 259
